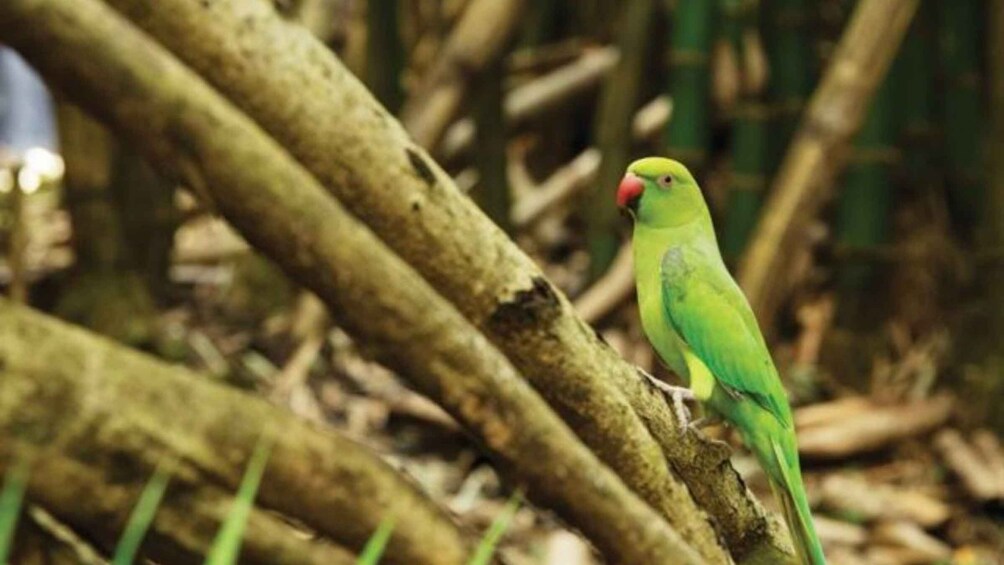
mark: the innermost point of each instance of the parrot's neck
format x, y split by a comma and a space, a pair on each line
650, 243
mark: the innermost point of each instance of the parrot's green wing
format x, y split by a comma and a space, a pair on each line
709, 312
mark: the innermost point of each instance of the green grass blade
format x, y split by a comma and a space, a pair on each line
141, 517
377, 543
10, 505
486, 547
227, 545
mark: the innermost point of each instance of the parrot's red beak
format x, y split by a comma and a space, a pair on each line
629, 191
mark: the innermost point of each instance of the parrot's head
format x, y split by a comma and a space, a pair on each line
660, 192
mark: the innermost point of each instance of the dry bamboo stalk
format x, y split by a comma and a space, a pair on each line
818, 152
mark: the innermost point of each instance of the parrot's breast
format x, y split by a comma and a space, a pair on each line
654, 318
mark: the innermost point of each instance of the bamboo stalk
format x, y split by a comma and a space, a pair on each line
384, 53
618, 103
994, 218
963, 109
750, 145
818, 152
492, 191
865, 202
691, 37
791, 69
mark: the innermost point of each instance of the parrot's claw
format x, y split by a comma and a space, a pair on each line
679, 394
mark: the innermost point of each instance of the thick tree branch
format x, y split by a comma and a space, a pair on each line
185, 126
332, 125
84, 405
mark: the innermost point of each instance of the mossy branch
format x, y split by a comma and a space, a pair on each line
83, 406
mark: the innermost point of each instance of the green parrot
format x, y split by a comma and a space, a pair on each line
701, 325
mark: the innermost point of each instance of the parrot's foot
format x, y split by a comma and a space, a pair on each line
679, 394
706, 421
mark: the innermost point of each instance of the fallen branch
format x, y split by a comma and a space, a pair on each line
979, 476
907, 539
874, 429
877, 502
185, 127
66, 392
286, 80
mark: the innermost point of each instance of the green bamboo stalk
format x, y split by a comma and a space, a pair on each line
618, 103
384, 53
688, 133
789, 49
750, 143
963, 112
916, 100
542, 23
994, 219
865, 202
492, 191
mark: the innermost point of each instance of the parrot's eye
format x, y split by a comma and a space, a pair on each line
664, 181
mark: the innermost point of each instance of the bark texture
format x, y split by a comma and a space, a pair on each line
335, 128
82, 405
187, 128
818, 152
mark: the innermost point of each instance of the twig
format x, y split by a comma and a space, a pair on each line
610, 291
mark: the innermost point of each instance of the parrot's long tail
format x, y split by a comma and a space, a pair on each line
791, 494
